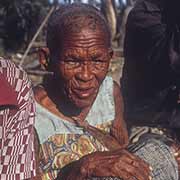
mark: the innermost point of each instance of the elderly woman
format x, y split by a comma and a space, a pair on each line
79, 124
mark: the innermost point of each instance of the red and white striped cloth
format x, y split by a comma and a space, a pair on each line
17, 154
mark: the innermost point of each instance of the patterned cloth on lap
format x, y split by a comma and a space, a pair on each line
153, 149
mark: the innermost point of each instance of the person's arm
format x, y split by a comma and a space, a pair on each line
119, 129
145, 32
152, 34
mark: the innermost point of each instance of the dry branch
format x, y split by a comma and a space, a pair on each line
38, 72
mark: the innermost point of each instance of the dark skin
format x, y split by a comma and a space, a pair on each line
107, 164
79, 70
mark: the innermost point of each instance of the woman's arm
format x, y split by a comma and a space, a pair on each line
119, 163
119, 129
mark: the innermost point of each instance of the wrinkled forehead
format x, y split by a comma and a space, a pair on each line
85, 38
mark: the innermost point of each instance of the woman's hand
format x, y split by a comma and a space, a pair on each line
118, 163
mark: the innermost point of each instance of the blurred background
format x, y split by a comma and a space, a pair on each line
23, 30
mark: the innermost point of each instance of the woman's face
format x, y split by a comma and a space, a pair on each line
83, 64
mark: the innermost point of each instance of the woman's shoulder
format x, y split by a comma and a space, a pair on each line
39, 93
42, 98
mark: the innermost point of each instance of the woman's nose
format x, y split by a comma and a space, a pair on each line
86, 73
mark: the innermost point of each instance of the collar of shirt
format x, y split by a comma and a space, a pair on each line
8, 95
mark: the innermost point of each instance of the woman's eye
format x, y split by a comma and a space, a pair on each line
97, 62
71, 64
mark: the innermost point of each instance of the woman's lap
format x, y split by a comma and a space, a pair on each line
154, 149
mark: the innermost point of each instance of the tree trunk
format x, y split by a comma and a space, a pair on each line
130, 2
109, 10
121, 4
91, 2
122, 26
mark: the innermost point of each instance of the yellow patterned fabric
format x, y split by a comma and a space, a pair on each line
62, 149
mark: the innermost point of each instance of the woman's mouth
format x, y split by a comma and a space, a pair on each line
83, 92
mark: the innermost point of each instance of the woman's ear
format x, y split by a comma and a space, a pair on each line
43, 54
111, 52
